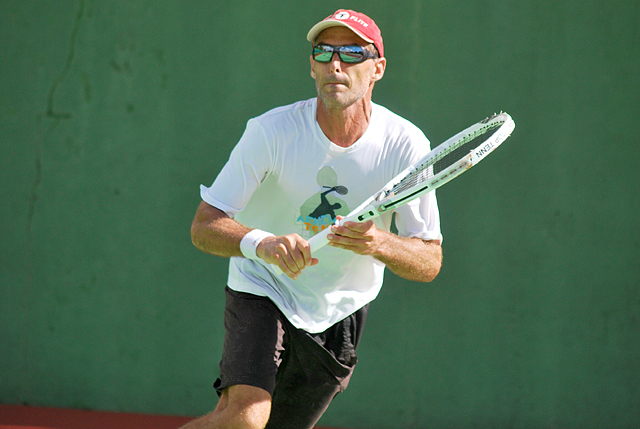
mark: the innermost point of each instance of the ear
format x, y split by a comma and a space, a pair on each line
379, 68
313, 72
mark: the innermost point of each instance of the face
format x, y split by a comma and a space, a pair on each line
339, 84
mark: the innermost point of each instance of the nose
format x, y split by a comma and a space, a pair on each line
336, 61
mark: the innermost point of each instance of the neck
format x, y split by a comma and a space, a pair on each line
344, 126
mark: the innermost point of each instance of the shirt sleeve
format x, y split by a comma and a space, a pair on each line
419, 218
247, 167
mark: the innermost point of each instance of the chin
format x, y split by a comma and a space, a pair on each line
337, 100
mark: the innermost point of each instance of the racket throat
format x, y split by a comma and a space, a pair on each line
368, 215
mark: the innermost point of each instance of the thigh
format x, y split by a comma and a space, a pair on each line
314, 369
252, 343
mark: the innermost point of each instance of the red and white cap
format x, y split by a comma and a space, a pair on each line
357, 22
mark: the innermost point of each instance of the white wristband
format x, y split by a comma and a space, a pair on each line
249, 243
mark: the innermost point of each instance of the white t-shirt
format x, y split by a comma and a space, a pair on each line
285, 176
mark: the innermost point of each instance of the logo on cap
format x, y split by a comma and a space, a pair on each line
342, 15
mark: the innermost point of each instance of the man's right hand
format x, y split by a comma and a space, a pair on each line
291, 253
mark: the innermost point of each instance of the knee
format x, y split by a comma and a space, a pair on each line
247, 406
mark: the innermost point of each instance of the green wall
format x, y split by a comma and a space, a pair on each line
113, 112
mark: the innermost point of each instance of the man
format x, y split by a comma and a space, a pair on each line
291, 338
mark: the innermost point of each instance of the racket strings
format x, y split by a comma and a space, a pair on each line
415, 177
445, 159
465, 146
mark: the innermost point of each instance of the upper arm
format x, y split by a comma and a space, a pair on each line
247, 167
212, 231
206, 214
420, 218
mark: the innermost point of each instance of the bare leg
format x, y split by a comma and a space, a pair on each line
240, 407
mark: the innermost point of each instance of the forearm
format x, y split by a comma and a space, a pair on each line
410, 258
213, 232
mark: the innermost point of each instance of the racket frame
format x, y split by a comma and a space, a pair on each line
382, 201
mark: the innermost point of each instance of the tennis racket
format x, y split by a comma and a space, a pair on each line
441, 165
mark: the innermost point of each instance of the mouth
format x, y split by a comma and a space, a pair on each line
335, 79
336, 83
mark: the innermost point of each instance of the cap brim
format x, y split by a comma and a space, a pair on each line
323, 25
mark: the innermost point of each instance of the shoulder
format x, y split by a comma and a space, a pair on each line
401, 136
282, 125
396, 123
300, 109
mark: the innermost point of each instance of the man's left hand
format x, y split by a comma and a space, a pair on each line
362, 238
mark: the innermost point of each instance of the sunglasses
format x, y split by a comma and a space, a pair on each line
351, 54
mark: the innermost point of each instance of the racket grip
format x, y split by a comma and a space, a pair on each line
319, 240
316, 242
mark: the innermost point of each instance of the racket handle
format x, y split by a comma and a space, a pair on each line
319, 240
316, 242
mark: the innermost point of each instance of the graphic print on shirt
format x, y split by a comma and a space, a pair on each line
320, 211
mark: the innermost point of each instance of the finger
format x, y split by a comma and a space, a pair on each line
336, 240
296, 254
277, 252
359, 227
301, 254
342, 240
289, 265
283, 267
348, 239
352, 230
291, 274
305, 251
291, 254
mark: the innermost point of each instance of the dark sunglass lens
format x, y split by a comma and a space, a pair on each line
351, 57
324, 57
322, 53
352, 54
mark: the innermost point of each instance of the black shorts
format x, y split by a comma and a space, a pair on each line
303, 372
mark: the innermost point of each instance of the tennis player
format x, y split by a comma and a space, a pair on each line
291, 338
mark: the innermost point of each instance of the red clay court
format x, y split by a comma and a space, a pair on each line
26, 417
